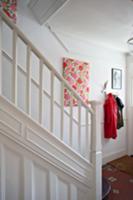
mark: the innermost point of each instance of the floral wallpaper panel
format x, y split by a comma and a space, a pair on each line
77, 74
9, 7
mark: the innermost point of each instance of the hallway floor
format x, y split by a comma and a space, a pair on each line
121, 183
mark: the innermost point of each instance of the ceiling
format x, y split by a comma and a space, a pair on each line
105, 22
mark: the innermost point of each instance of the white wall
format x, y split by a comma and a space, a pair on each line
101, 60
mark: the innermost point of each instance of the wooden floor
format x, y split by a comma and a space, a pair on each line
124, 164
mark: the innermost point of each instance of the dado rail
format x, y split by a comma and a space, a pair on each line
47, 150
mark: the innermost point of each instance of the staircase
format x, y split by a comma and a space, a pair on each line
47, 151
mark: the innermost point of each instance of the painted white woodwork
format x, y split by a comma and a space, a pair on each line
96, 148
43, 10
27, 120
37, 88
34, 101
62, 110
14, 66
52, 102
36, 159
25, 176
40, 91
71, 119
7, 39
7, 77
18, 131
21, 53
28, 132
21, 90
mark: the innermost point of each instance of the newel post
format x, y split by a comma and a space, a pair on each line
96, 149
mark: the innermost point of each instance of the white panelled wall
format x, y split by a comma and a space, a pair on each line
36, 166
26, 176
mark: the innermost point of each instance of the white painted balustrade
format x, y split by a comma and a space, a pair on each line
31, 84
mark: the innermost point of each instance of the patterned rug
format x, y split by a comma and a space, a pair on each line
124, 164
121, 183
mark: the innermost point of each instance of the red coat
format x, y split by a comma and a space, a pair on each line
110, 117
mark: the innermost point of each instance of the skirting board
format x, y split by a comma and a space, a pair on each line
113, 156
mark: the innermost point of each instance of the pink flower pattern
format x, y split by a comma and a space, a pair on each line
9, 7
77, 75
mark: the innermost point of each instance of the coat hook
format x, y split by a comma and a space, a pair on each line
104, 87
